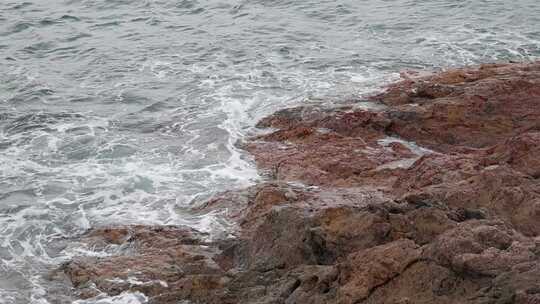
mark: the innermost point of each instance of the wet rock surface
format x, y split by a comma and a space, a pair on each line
433, 197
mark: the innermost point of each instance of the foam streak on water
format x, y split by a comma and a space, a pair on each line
126, 111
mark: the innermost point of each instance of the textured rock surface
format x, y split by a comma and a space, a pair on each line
475, 107
431, 197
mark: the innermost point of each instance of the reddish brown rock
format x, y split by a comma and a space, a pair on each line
153, 260
432, 197
340, 149
520, 152
369, 269
472, 107
464, 184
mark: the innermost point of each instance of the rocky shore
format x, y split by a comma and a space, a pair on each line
426, 193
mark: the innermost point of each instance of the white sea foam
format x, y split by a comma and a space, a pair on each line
123, 298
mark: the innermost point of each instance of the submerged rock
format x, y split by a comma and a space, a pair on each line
434, 198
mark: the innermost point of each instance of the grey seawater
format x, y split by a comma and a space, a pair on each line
127, 111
